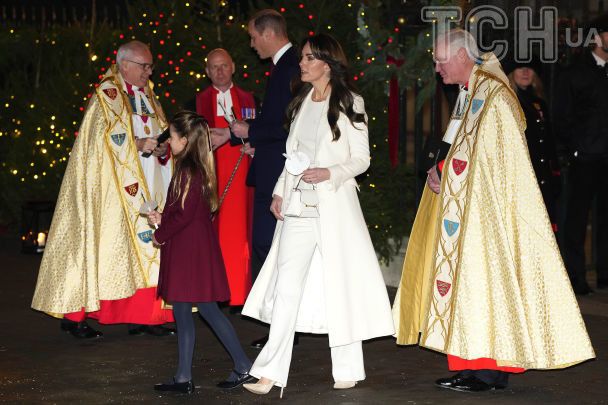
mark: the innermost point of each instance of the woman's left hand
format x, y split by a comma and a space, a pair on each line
317, 175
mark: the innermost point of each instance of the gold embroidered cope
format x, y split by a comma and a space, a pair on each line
483, 276
99, 247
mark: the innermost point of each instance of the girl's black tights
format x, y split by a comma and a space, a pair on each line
221, 326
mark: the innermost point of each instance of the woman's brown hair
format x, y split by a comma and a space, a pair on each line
325, 47
197, 156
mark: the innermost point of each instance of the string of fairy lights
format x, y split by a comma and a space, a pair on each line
178, 50
54, 137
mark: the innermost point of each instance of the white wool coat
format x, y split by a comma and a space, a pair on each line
344, 295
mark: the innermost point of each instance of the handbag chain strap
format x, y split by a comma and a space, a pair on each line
298, 184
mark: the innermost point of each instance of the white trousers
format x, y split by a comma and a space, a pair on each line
299, 239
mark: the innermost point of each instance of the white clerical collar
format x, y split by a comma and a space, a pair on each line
280, 52
600, 62
224, 92
224, 99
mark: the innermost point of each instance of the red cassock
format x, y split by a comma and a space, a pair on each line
191, 266
458, 364
234, 219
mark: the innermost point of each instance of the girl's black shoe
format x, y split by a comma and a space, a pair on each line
184, 387
241, 378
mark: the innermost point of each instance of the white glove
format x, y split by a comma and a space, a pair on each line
296, 162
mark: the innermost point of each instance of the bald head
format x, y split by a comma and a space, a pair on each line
135, 63
220, 68
218, 52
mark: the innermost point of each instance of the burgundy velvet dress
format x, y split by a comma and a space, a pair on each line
191, 265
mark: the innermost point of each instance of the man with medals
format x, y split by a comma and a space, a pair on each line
483, 280
99, 261
221, 104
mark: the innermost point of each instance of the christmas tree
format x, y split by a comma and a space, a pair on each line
51, 74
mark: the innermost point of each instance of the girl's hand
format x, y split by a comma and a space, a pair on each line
317, 175
155, 242
154, 218
275, 207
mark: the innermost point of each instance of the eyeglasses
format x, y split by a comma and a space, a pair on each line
144, 66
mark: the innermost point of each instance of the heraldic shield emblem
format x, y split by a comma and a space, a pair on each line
132, 189
450, 226
443, 287
118, 139
476, 105
458, 166
145, 236
111, 93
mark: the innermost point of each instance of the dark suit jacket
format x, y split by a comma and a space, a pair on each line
267, 133
580, 110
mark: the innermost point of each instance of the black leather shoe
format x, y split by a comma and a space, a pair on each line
81, 330
67, 325
153, 330
241, 379
138, 330
185, 387
451, 381
158, 330
259, 343
474, 384
235, 310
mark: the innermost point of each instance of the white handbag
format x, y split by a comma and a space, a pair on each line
303, 203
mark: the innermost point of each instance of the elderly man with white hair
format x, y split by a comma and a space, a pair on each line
483, 280
99, 261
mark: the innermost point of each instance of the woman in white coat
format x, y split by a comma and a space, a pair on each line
322, 274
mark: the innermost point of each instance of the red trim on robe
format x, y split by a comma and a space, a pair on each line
142, 308
458, 364
440, 165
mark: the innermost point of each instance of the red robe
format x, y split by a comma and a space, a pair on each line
234, 219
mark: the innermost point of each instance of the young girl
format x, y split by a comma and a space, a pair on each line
191, 267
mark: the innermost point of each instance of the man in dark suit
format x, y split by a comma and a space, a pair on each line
266, 132
581, 128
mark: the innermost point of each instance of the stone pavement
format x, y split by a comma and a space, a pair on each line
39, 363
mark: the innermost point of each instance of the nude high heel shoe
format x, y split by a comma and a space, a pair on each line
344, 385
261, 388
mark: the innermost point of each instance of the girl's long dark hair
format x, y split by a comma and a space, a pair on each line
325, 47
197, 156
